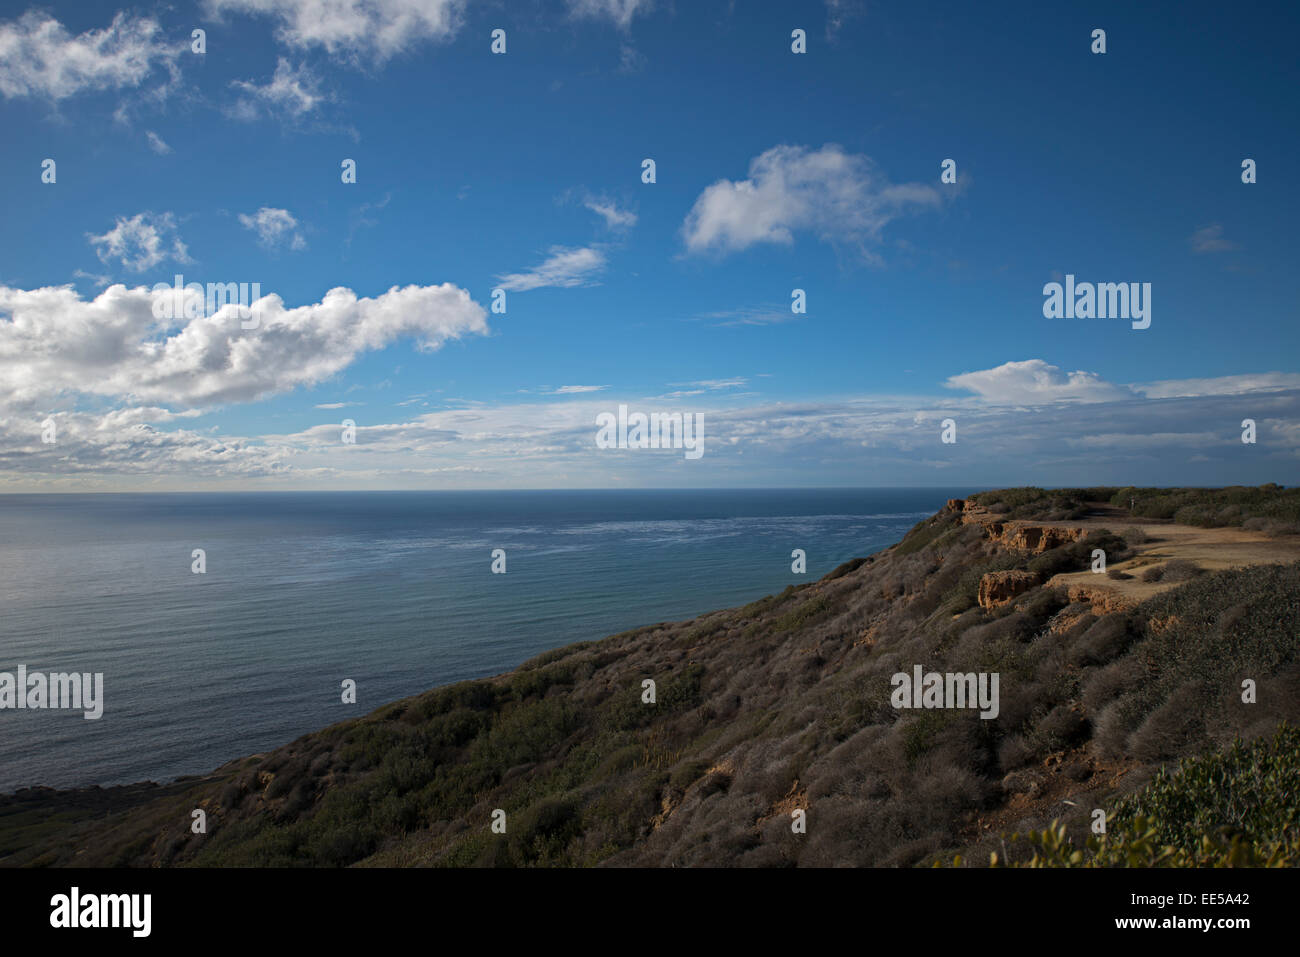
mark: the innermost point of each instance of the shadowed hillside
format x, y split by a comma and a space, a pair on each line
785, 704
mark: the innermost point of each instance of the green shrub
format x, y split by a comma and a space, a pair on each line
1252, 789
1236, 808
1210, 507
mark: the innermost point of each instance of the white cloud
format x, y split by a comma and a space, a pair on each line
354, 29
1127, 441
38, 57
735, 382
93, 447
274, 227
156, 143
1221, 385
57, 344
97, 278
1209, 239
618, 12
1035, 381
564, 267
292, 91
572, 389
705, 386
607, 210
550, 443
141, 242
837, 196
751, 316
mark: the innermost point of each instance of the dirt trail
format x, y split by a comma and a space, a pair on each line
1212, 549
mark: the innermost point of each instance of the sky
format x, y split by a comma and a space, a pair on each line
500, 273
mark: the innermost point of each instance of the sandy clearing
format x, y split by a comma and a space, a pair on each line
1213, 549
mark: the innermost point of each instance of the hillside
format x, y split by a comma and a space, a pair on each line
785, 704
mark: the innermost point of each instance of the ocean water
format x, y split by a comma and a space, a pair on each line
391, 589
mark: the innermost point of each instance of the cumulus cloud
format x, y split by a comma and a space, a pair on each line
564, 267
292, 91
57, 344
618, 12
274, 228
39, 57
141, 241
837, 196
1035, 381
126, 443
354, 29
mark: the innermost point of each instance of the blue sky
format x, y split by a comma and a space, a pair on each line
774, 171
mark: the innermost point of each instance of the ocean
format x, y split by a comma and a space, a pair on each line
393, 590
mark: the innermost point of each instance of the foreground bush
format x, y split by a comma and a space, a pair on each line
1237, 808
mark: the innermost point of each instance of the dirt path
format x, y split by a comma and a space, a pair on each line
1212, 549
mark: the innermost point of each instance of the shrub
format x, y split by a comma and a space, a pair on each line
1236, 808
1213, 507
1248, 787
1180, 570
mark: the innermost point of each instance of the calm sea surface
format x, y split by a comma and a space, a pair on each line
393, 590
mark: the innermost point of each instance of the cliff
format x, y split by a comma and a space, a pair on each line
788, 704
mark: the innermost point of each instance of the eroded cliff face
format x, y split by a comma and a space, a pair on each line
998, 588
1103, 599
1023, 536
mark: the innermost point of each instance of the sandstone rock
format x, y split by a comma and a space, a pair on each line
1023, 536
1035, 538
998, 588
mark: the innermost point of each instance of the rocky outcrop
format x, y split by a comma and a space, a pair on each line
1022, 536
998, 588
1038, 538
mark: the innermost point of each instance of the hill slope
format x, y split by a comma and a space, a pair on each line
781, 705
